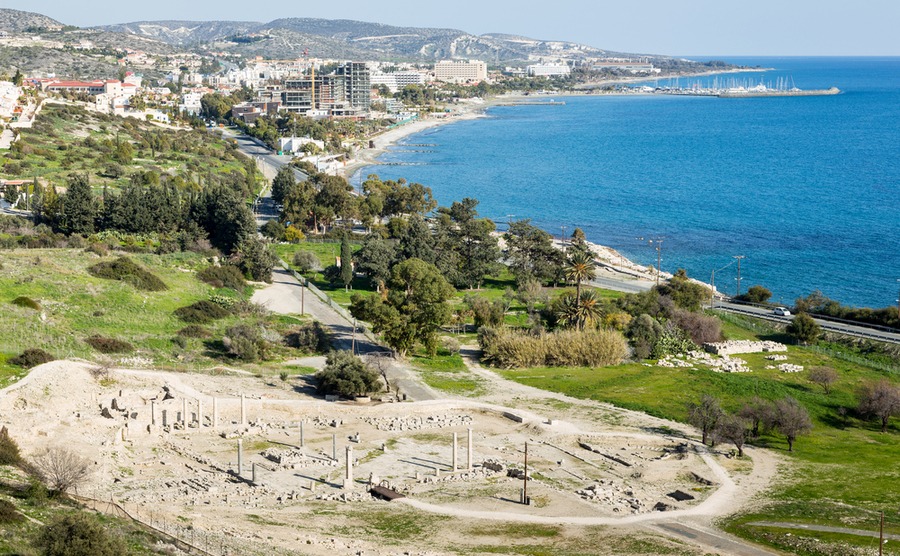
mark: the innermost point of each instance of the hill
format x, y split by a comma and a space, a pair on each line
348, 38
17, 21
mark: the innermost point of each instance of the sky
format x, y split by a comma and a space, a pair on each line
671, 27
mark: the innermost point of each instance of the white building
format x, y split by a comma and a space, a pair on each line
452, 71
295, 144
548, 70
397, 80
191, 102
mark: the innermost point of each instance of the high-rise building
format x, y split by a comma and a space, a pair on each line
342, 93
357, 85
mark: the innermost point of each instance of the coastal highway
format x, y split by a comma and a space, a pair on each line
765, 313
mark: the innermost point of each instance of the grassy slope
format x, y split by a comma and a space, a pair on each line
77, 305
58, 149
842, 474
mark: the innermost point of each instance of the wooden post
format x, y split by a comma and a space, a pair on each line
525, 477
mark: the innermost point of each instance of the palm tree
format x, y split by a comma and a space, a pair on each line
580, 311
580, 268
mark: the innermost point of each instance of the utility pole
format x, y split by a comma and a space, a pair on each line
881, 537
739, 258
658, 241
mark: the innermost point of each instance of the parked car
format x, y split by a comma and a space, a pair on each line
781, 311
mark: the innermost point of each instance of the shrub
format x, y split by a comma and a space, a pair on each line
569, 348
109, 345
9, 450
755, 294
126, 270
8, 513
273, 229
201, 312
804, 329
61, 469
245, 342
26, 302
306, 261
701, 328
31, 357
310, 338
194, 331
78, 534
226, 276
346, 375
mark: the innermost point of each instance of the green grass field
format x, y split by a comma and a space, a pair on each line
843, 473
75, 305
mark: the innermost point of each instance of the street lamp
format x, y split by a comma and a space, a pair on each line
739, 258
658, 241
713, 283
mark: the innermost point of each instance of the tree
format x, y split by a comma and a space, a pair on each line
78, 207
760, 413
78, 534
755, 294
293, 234
685, 293
824, 377
579, 311
580, 268
284, 181
222, 213
705, 415
791, 420
346, 375
255, 258
375, 258
643, 333
11, 193
804, 329
531, 253
469, 238
61, 469
880, 399
578, 242
346, 262
411, 310
306, 261
273, 229
732, 428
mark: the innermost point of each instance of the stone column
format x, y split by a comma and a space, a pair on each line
153, 412
301, 434
199, 414
454, 451
240, 463
469, 455
184, 418
165, 418
253, 474
334, 447
348, 480
215, 422
243, 409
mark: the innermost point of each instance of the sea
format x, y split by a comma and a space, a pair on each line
805, 189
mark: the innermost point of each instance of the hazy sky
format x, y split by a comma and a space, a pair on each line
675, 27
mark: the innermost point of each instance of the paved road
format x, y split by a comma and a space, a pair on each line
717, 540
287, 296
831, 326
823, 529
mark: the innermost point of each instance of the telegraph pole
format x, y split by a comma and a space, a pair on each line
739, 258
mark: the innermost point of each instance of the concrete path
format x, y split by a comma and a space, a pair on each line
710, 539
287, 296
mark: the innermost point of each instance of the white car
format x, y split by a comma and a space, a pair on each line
781, 311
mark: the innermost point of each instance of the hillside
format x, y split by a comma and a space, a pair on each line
344, 38
17, 21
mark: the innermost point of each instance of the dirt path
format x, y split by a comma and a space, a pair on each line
824, 529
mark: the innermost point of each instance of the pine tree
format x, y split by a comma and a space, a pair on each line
346, 262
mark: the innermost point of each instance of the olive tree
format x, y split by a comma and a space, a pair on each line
880, 399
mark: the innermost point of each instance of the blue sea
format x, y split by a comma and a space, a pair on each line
806, 188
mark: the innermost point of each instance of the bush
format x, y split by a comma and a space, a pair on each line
26, 302
78, 534
194, 331
346, 375
126, 270
756, 294
310, 338
305, 261
245, 342
109, 345
702, 329
98, 248
9, 450
201, 312
31, 357
226, 276
273, 229
804, 329
9, 514
569, 348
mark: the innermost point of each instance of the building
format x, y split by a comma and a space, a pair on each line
344, 94
397, 80
452, 71
548, 70
631, 66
